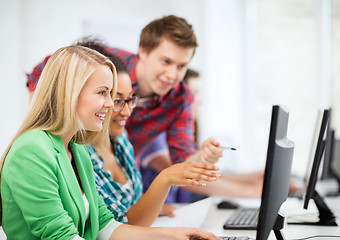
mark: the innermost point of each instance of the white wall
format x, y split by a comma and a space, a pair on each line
12, 93
335, 62
252, 54
32, 29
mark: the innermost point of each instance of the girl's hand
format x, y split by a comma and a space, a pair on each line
189, 174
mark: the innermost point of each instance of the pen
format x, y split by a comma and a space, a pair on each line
227, 148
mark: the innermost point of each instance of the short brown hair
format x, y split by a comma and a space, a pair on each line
174, 28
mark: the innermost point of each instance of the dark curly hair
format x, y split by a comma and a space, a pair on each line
99, 45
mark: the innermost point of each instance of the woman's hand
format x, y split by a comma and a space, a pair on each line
181, 174
189, 174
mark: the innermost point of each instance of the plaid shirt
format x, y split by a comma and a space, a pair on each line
171, 113
33, 78
118, 198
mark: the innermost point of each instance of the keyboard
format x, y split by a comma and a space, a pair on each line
243, 218
236, 238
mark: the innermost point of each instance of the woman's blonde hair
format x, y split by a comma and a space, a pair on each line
54, 104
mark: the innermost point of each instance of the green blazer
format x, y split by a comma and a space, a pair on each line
41, 197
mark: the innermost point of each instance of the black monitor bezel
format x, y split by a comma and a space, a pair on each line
320, 147
326, 216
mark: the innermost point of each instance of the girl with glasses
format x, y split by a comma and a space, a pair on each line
117, 176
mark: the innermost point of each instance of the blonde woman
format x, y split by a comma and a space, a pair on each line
47, 183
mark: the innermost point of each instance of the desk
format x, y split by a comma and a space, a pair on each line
292, 207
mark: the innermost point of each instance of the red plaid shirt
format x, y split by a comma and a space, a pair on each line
171, 113
33, 78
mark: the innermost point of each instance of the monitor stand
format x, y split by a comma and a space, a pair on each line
278, 226
326, 216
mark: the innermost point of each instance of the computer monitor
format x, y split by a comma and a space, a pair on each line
313, 146
277, 175
326, 217
331, 160
326, 162
331, 163
335, 163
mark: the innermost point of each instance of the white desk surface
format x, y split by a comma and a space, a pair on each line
215, 219
292, 208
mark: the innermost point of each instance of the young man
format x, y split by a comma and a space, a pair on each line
166, 47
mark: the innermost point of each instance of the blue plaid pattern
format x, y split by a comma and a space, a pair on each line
118, 198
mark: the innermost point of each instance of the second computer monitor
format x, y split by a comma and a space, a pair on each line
277, 174
326, 217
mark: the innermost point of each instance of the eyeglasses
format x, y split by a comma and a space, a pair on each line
118, 104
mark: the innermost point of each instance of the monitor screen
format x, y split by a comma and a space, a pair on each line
277, 174
326, 217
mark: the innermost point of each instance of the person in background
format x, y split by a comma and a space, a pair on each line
47, 180
191, 79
